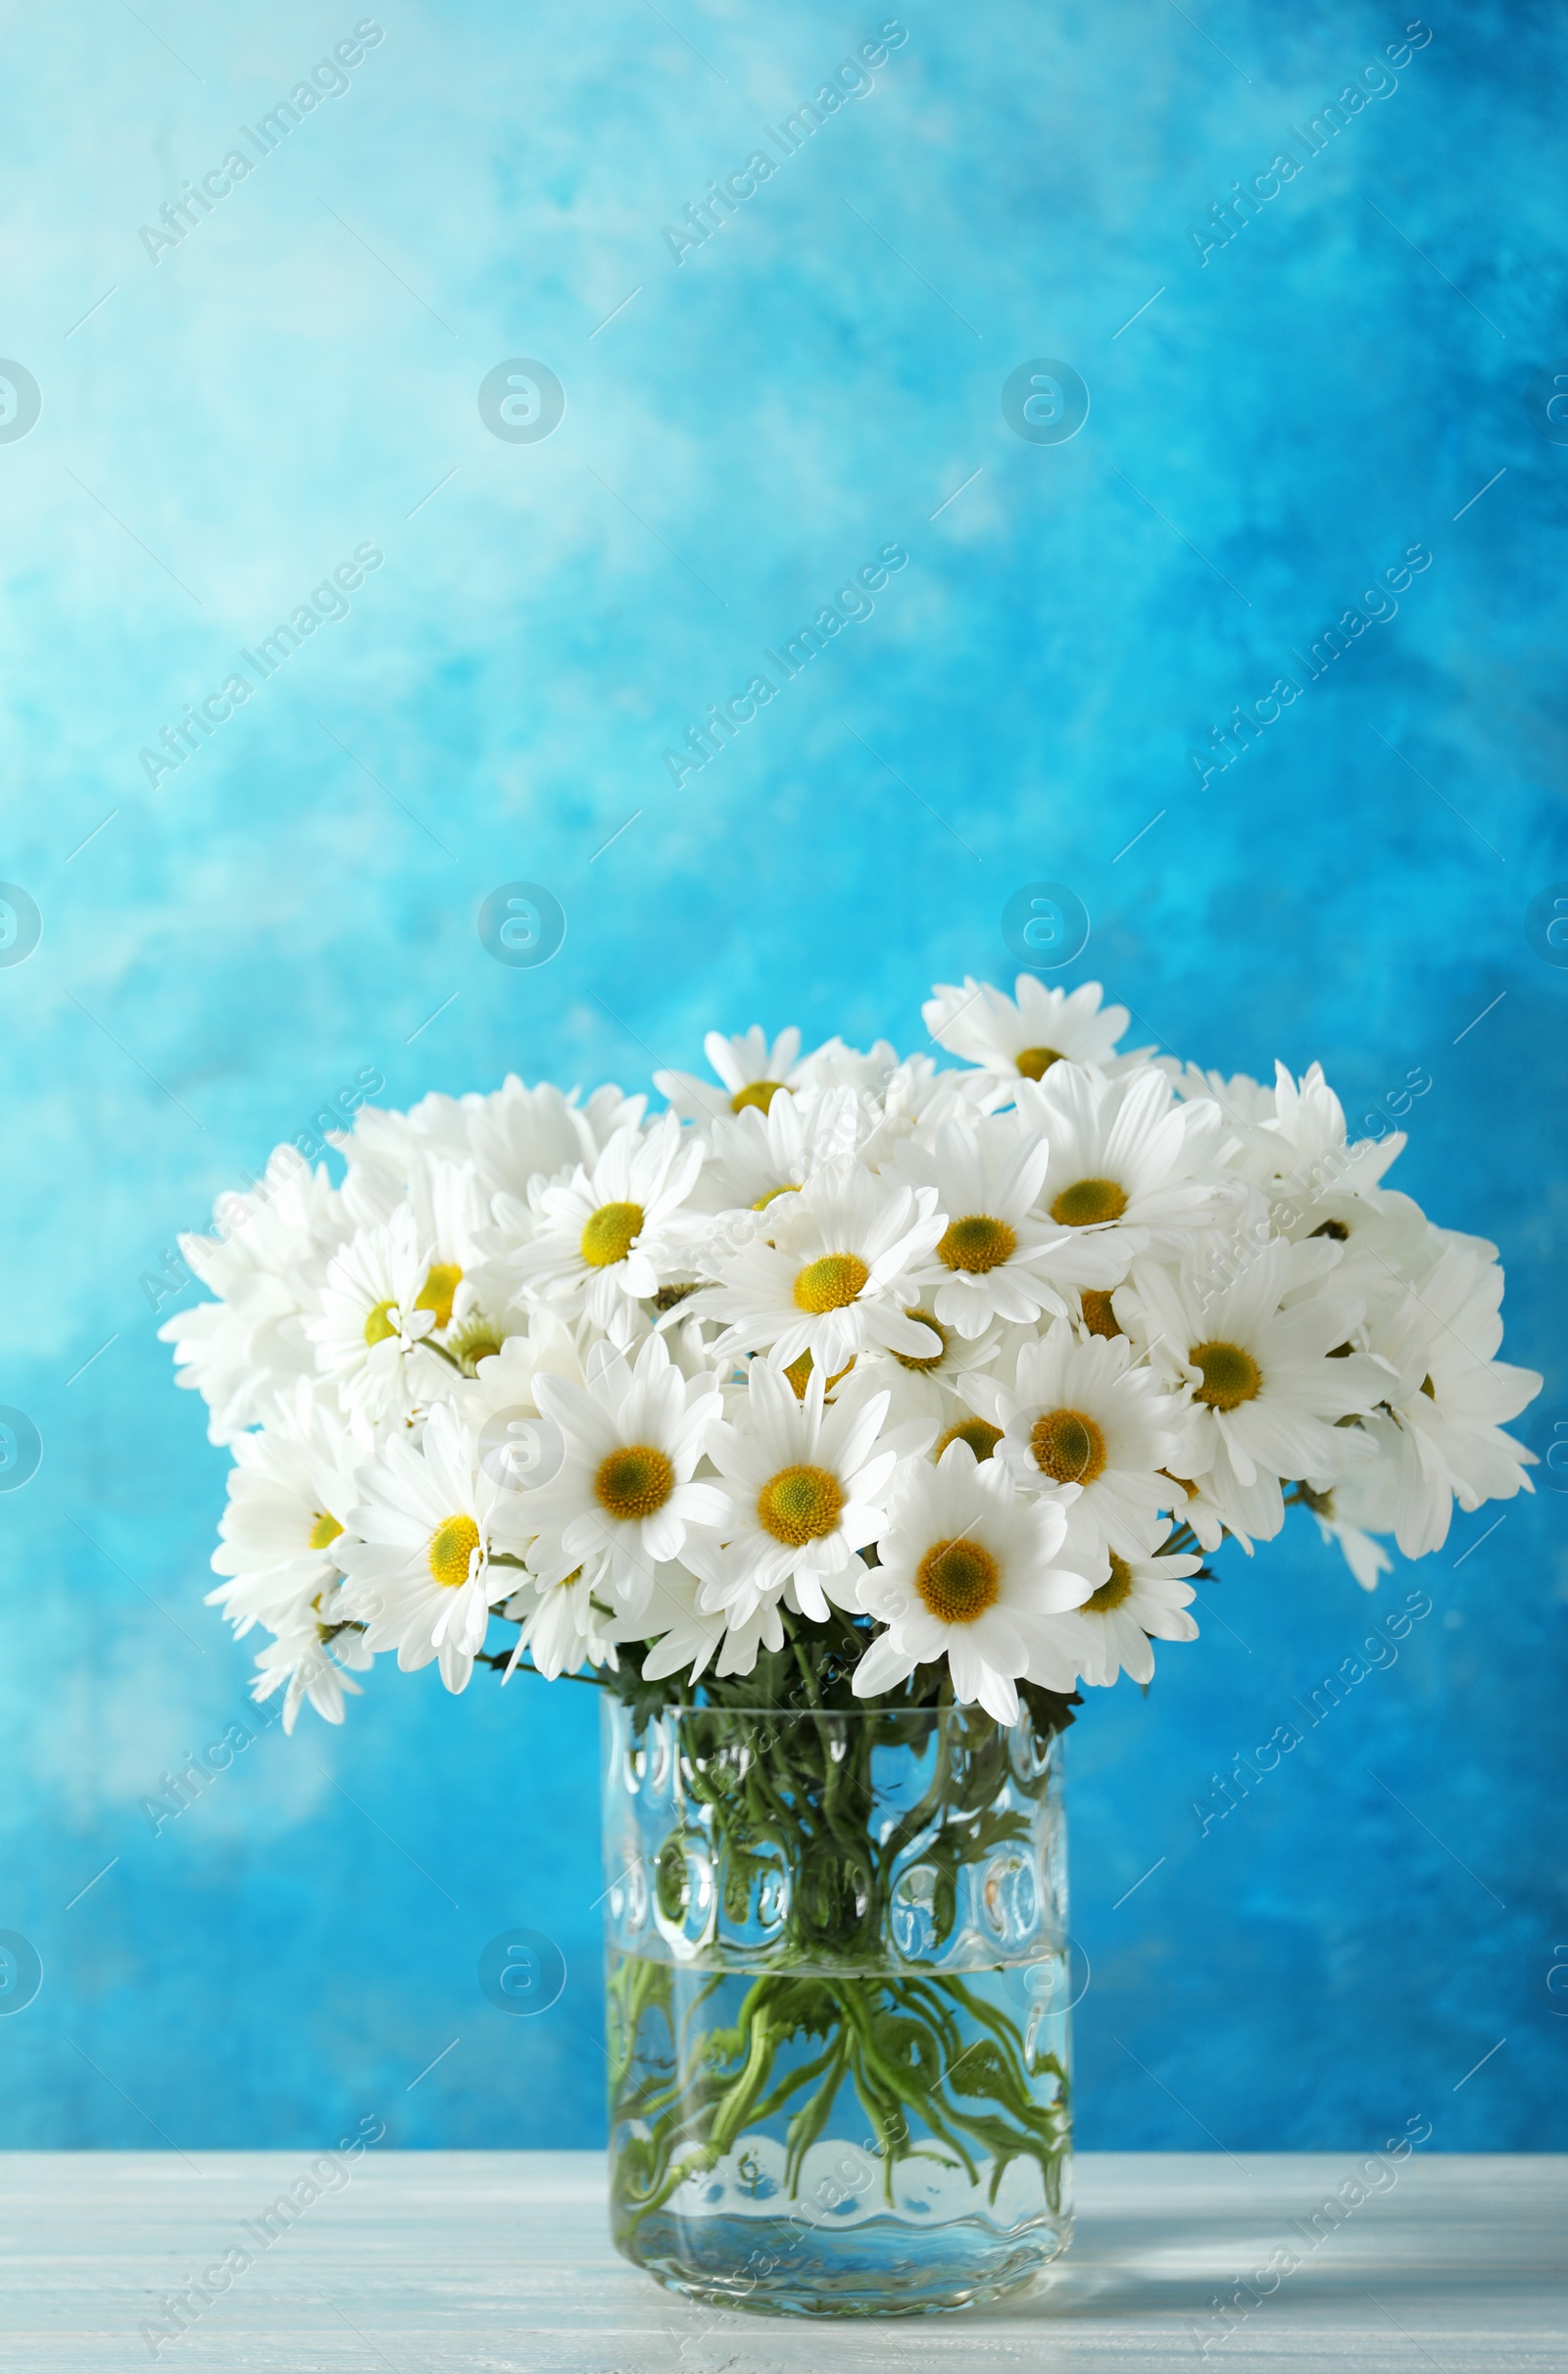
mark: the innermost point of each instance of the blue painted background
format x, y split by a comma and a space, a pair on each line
293, 903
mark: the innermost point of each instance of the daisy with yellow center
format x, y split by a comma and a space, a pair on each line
615, 1233
1272, 1375
1026, 1036
624, 1495
419, 1552
379, 1301
1130, 1166
760, 1158
292, 1488
971, 1570
755, 1075
996, 1259
808, 1481
828, 1278
1081, 1417
1143, 1597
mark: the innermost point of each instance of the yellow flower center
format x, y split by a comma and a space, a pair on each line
1036, 1062
978, 1243
978, 1432
379, 1328
799, 1505
1428, 1389
1089, 1201
608, 1233
799, 1373
762, 1202
325, 1529
1098, 1316
441, 1282
452, 1544
1068, 1446
829, 1283
758, 1092
480, 1340
958, 1580
1231, 1375
633, 1481
1110, 1594
922, 1363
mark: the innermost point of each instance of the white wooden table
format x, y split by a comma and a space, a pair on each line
434, 2261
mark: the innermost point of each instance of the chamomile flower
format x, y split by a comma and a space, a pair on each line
1143, 1597
808, 1483
623, 1498
266, 1266
291, 1491
522, 1134
756, 1156
1080, 1412
310, 1670
823, 1272
609, 1236
1312, 1142
968, 1572
751, 1070
564, 1627
419, 1549
1128, 1164
1272, 1371
928, 1387
1024, 1040
996, 1258
688, 1636
375, 1309
1449, 1394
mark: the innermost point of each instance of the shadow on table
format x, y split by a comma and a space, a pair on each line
1139, 2266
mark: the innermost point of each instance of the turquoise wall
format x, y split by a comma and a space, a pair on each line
1272, 422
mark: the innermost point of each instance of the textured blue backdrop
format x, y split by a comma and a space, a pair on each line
297, 376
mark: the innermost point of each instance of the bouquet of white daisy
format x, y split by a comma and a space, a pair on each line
840, 1423
952, 1368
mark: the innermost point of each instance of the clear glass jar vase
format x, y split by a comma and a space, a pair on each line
838, 2005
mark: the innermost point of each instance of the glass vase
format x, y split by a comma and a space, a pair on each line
838, 2005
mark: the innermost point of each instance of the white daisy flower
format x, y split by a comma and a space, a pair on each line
291, 1491
623, 1496
375, 1311
1363, 1505
1128, 1164
609, 1237
928, 1387
996, 1259
756, 1155
834, 1064
752, 1072
1080, 1412
810, 1486
266, 1264
1448, 1396
467, 1295
564, 1626
1314, 1143
1142, 1596
688, 1637
421, 1550
969, 1573
829, 1277
1271, 1369
522, 1134
308, 1669
1024, 1040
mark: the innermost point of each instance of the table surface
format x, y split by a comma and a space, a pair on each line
430, 2262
